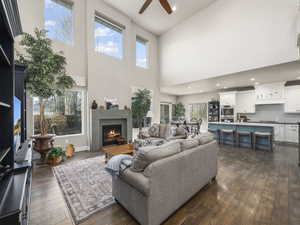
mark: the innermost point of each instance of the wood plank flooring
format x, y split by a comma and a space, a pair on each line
252, 188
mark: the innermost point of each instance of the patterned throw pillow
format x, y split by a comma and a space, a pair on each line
144, 134
154, 130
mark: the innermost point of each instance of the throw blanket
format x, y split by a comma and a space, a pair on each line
118, 164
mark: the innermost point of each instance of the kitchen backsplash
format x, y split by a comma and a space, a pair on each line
273, 113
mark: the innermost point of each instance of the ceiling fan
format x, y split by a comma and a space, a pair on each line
164, 3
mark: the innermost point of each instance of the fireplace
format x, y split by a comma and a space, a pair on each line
110, 127
112, 135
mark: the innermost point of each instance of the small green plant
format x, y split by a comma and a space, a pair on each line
57, 152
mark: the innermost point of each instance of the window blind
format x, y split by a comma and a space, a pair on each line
109, 23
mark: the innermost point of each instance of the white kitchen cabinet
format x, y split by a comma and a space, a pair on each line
291, 133
270, 93
228, 98
292, 99
279, 132
245, 102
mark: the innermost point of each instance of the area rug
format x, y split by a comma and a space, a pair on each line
86, 186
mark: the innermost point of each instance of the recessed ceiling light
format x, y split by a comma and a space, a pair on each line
189, 87
256, 83
174, 8
200, 91
224, 87
298, 78
218, 85
252, 79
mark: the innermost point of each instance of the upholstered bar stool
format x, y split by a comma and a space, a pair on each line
263, 135
240, 134
216, 132
224, 134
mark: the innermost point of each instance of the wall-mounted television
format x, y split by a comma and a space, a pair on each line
17, 123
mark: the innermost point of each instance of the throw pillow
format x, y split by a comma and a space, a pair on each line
147, 155
154, 130
164, 130
180, 131
144, 134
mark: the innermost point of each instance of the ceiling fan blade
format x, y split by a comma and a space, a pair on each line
145, 6
166, 6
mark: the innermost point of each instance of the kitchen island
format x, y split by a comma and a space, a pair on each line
245, 141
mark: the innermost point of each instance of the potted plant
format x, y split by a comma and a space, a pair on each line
141, 103
56, 156
178, 112
46, 77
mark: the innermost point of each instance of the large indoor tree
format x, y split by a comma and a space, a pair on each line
141, 103
45, 69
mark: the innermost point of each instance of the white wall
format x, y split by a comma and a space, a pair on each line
165, 98
105, 76
228, 37
198, 98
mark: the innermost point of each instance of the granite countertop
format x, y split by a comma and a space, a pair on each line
274, 122
256, 123
242, 124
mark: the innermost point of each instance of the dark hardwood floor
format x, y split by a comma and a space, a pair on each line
252, 188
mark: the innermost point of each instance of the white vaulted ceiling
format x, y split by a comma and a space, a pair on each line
155, 19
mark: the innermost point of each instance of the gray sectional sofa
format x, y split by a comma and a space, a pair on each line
162, 178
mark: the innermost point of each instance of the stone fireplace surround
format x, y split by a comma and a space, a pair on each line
102, 118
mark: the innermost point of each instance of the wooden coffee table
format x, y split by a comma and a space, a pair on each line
111, 151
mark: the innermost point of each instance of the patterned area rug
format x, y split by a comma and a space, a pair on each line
86, 186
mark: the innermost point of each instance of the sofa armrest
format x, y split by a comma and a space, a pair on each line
136, 180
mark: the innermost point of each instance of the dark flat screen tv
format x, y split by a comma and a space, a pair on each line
17, 123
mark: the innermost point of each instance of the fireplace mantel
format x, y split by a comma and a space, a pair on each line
102, 117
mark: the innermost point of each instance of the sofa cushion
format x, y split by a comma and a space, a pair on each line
205, 138
189, 143
154, 130
147, 155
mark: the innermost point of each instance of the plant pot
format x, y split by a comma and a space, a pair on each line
70, 150
42, 145
54, 161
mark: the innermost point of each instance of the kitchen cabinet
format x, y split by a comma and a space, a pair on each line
245, 102
292, 99
228, 98
270, 93
279, 132
291, 133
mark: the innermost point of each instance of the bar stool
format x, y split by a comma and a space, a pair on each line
227, 132
216, 133
240, 134
263, 135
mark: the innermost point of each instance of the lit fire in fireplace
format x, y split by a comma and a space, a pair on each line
113, 133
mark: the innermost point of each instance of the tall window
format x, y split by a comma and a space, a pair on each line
59, 20
165, 113
141, 52
108, 37
63, 114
